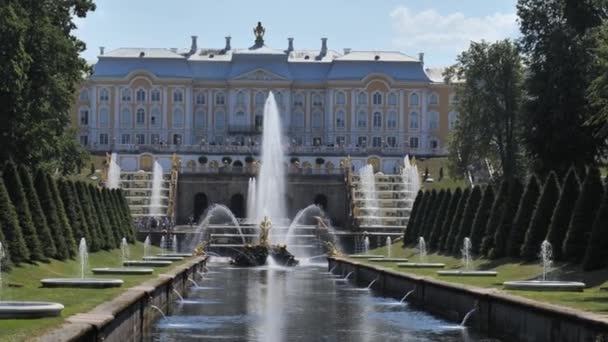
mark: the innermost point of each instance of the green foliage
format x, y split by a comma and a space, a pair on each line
9, 222
64, 224
562, 214
435, 235
447, 220
19, 200
487, 243
466, 222
5, 261
107, 236
481, 219
539, 225
90, 215
37, 214
522, 218
506, 220
450, 240
410, 223
583, 215
413, 234
49, 207
429, 216
70, 204
596, 255
112, 215
131, 236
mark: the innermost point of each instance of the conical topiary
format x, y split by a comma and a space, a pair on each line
487, 242
539, 225
112, 216
85, 230
466, 222
66, 228
90, 215
105, 227
412, 218
38, 218
596, 255
506, 220
417, 223
447, 220
5, 261
523, 218
429, 216
455, 224
49, 207
13, 237
562, 213
129, 219
17, 196
435, 235
481, 218
70, 204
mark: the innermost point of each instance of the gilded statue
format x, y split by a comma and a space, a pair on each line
201, 249
265, 226
332, 250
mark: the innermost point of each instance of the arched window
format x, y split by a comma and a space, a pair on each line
433, 99
392, 99
178, 96
155, 95
362, 119
316, 101
391, 122
84, 116
178, 118
433, 120
298, 100
414, 100
220, 120
377, 120
452, 120
199, 119
126, 95
362, 99
140, 95
220, 99
240, 98
84, 95
317, 119
377, 99
298, 119
340, 98
200, 98
155, 117
104, 95
414, 120
340, 119
125, 118
140, 116
259, 98
414, 142
104, 117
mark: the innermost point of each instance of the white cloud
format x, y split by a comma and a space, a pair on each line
447, 35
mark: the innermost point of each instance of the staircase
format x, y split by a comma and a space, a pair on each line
137, 187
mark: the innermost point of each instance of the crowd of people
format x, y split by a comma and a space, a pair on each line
149, 223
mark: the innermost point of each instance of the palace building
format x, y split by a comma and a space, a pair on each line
209, 102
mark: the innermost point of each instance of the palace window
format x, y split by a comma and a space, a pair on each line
414, 100
220, 99
433, 120
362, 141
392, 99
413, 142
104, 117
155, 139
316, 101
259, 98
340, 141
178, 118
125, 118
104, 95
452, 120
317, 141
84, 95
317, 119
178, 96
177, 139
103, 138
362, 119
84, 117
155, 95
362, 99
414, 120
433, 144
140, 116
377, 120
220, 120
200, 98
391, 122
377, 99
140, 95
125, 139
391, 141
433, 99
155, 117
240, 116
298, 100
340, 119
340, 98
199, 119
240, 98
84, 140
298, 119
376, 142
126, 95
140, 139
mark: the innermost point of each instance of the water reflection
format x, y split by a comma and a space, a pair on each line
301, 304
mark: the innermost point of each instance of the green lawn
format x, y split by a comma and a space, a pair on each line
74, 300
592, 299
434, 164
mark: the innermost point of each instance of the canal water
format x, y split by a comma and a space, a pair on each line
304, 303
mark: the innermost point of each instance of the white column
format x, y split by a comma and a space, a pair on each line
210, 116
423, 126
401, 118
93, 114
308, 114
165, 122
353, 118
116, 135
189, 115
329, 127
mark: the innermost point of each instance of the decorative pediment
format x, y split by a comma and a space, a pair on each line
259, 75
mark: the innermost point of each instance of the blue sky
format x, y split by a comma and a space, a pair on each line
439, 28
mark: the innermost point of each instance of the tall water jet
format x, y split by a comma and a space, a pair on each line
366, 245
216, 214
306, 213
546, 256
124, 249
271, 179
368, 190
466, 253
421, 250
113, 181
174, 244
389, 245
157, 184
2, 256
251, 198
147, 245
83, 256
163, 244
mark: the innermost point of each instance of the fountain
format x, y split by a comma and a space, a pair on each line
546, 255
466, 262
389, 245
125, 253
368, 190
407, 294
82, 281
469, 314
174, 250
389, 258
147, 262
251, 197
366, 254
156, 206
113, 181
421, 258
263, 252
164, 256
212, 215
369, 287
163, 244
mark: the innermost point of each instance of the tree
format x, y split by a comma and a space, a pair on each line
596, 255
435, 235
129, 219
80, 214
455, 223
559, 43
5, 261
64, 223
38, 217
112, 216
19, 200
70, 203
466, 222
106, 235
585, 209
562, 214
415, 231
522, 218
9, 222
489, 123
429, 216
487, 242
410, 222
49, 207
506, 220
481, 219
447, 221
539, 225
117, 208
40, 68
90, 215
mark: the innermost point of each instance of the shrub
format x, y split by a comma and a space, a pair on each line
487, 242
478, 227
448, 246
447, 220
127, 212
539, 225
444, 204
429, 216
596, 255
83, 223
115, 225
562, 214
506, 220
70, 204
583, 215
467, 218
106, 235
49, 207
66, 229
9, 222
90, 215
523, 217
415, 231
413, 213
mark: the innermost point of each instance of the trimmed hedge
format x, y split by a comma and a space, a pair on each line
562, 213
467, 218
445, 226
506, 220
522, 218
481, 219
448, 246
435, 235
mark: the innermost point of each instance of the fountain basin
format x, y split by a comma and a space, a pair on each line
183, 255
458, 273
123, 270
544, 285
388, 259
95, 283
14, 309
365, 256
147, 263
420, 265
163, 258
